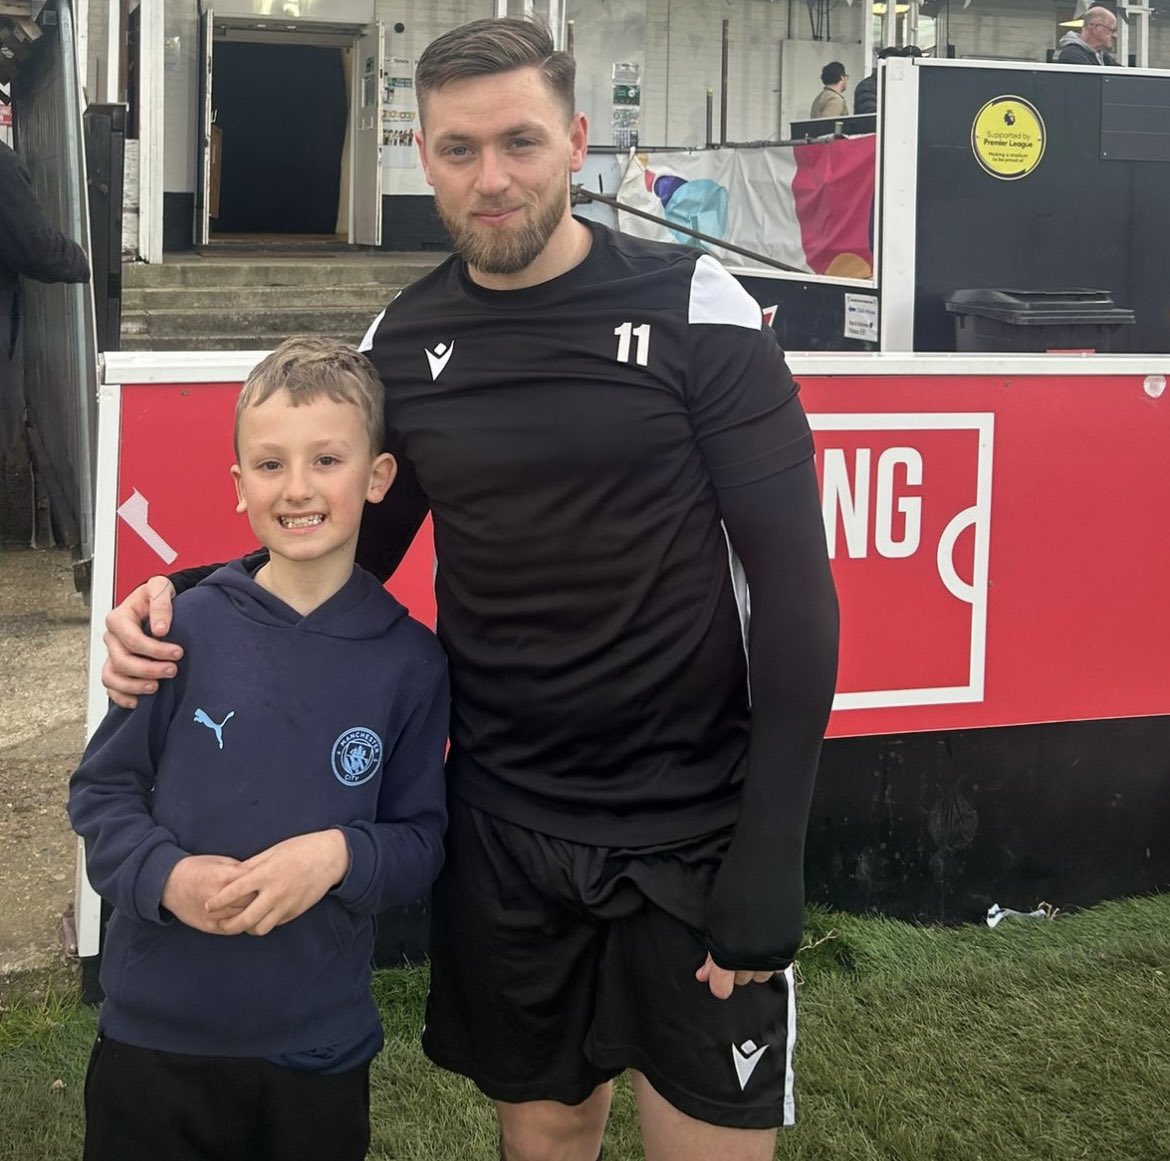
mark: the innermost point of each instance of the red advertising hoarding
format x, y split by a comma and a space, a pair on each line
997, 540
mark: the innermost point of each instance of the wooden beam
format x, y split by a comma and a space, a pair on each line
27, 27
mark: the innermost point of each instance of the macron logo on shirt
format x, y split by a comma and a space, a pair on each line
439, 358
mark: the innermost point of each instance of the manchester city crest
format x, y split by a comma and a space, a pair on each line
357, 756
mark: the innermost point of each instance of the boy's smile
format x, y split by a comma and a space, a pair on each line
304, 476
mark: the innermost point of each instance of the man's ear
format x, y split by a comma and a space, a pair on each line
578, 142
421, 142
382, 473
237, 479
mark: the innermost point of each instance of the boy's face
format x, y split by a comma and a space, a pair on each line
304, 476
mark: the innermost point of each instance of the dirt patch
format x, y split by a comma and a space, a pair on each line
44, 635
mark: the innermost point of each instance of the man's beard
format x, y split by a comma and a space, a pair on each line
507, 250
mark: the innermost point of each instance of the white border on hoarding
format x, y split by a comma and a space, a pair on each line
88, 907
129, 367
867, 364
984, 424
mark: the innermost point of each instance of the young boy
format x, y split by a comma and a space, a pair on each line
287, 786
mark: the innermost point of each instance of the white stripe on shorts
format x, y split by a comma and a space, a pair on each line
790, 1045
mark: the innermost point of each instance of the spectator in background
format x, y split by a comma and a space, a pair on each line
1091, 45
830, 102
29, 245
865, 96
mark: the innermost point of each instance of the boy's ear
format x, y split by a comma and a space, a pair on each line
241, 503
382, 473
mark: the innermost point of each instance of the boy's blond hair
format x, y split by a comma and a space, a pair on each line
309, 366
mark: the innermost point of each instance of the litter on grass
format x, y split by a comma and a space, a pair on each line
997, 914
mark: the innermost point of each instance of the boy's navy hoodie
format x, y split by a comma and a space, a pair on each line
277, 725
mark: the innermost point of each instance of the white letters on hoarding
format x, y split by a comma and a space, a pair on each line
845, 495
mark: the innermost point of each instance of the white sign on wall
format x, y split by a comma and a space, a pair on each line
399, 115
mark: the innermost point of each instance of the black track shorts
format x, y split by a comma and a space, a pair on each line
556, 965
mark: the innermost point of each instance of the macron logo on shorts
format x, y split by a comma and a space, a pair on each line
746, 1056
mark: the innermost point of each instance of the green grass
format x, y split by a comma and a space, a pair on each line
1033, 1042
45, 1038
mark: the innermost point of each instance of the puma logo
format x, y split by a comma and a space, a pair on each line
216, 727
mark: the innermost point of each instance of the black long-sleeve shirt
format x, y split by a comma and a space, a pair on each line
584, 445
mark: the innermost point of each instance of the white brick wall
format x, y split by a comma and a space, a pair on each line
1024, 29
676, 42
423, 20
605, 34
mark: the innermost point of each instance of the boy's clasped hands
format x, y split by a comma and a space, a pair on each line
225, 896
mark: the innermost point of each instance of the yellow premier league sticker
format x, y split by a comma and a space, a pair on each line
1008, 137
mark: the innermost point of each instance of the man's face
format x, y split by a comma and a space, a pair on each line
498, 151
1099, 31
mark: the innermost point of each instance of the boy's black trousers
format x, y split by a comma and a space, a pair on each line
144, 1105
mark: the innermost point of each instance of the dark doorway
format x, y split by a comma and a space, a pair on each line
282, 110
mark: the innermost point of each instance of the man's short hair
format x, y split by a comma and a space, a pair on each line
1102, 15
310, 366
833, 72
495, 45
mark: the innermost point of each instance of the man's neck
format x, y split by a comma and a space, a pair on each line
567, 247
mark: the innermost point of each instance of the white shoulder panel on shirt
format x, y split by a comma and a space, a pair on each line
367, 342
716, 298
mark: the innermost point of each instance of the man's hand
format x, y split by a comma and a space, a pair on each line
136, 663
723, 981
192, 881
281, 883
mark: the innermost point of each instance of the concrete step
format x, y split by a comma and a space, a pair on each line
214, 342
249, 321
230, 299
388, 269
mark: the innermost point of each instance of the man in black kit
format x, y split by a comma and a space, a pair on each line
592, 419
